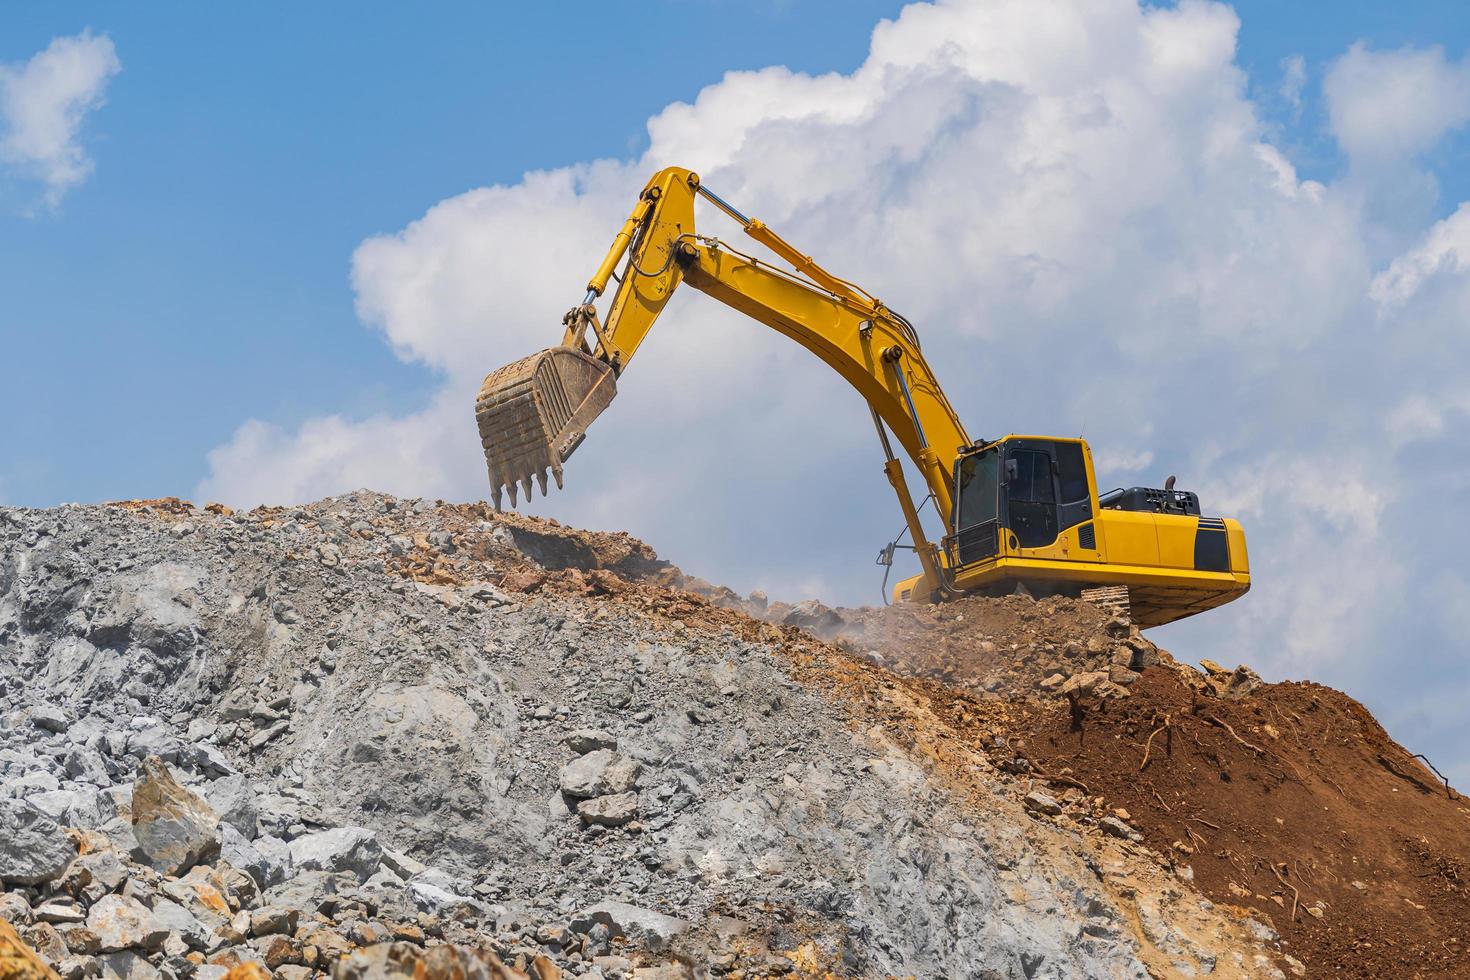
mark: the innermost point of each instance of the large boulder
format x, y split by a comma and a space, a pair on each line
310, 891
33, 848
234, 800
344, 849
121, 923
179, 920
600, 772
174, 828
48, 718
70, 807
652, 930
610, 811
266, 859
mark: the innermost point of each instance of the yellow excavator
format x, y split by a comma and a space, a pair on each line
1018, 512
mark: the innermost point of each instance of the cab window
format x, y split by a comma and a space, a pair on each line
979, 488
1071, 472
1030, 477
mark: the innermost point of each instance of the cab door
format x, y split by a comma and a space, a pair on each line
1031, 494
1049, 499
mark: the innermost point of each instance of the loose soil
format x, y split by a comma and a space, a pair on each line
1291, 801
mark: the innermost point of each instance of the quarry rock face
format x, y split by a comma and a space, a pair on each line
376, 736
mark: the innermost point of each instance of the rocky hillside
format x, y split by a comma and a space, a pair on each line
371, 736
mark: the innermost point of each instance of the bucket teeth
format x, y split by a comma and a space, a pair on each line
534, 412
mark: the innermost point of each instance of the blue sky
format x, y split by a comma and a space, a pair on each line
280, 244
200, 275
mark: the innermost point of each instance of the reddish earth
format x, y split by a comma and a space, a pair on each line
1293, 801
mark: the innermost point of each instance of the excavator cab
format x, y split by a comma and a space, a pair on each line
1027, 511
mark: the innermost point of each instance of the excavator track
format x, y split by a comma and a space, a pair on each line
533, 414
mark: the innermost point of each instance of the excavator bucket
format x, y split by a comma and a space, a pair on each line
534, 412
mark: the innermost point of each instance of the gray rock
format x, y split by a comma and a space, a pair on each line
401, 864
311, 890
116, 801
266, 859
1042, 803
33, 848
233, 798
610, 811
158, 741
39, 781
86, 764
180, 921
59, 911
270, 920
435, 899
1114, 827
277, 814
585, 740
48, 718
78, 968
15, 909
352, 849
209, 760
100, 867
652, 930
125, 923
600, 772
119, 831
127, 965
81, 807
175, 829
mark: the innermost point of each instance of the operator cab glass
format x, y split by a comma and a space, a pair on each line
977, 506
1032, 496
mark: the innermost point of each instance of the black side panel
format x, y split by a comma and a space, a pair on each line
1211, 549
1087, 537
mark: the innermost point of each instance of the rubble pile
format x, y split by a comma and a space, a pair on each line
379, 737
118, 864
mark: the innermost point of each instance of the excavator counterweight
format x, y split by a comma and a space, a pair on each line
533, 413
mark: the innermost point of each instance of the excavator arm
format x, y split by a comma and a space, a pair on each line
532, 414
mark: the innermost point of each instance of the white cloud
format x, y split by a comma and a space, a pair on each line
1114, 459
43, 103
1079, 206
1445, 249
1392, 105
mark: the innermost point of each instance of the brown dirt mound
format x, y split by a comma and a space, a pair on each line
1293, 801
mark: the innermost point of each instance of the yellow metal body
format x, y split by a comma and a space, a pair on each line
1153, 554
878, 353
